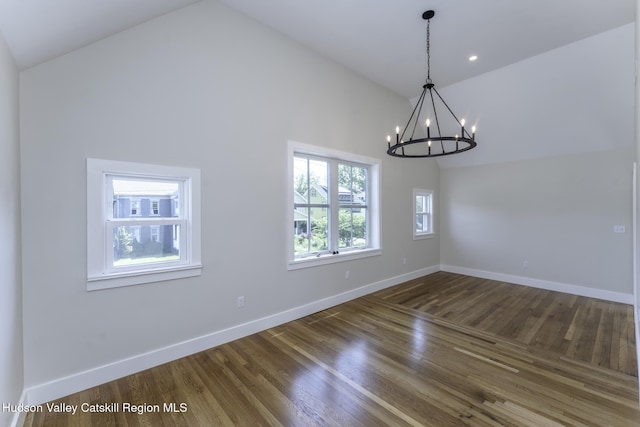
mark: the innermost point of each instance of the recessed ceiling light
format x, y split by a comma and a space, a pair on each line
473, 57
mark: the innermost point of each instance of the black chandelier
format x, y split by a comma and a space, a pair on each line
437, 144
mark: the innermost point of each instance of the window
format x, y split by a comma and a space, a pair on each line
134, 206
155, 206
423, 213
128, 244
334, 196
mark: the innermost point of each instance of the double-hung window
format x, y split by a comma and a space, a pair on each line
423, 213
143, 223
134, 207
155, 206
335, 201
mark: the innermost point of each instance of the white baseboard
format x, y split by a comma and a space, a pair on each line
543, 284
99, 375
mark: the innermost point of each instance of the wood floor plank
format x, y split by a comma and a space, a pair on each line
441, 350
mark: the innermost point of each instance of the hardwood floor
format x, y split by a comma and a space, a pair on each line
443, 350
581, 328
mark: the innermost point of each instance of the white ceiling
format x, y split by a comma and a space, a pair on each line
383, 40
39, 30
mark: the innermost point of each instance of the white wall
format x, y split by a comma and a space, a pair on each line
637, 159
571, 111
11, 354
556, 213
209, 88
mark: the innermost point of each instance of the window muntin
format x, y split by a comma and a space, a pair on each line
156, 241
335, 206
423, 213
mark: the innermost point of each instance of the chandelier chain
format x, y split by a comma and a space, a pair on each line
428, 51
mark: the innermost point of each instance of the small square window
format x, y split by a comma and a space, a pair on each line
137, 217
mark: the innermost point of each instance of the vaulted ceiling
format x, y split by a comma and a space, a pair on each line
383, 40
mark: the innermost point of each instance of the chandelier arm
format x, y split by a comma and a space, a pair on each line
420, 101
435, 112
454, 116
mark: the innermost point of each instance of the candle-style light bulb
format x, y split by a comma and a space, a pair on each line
397, 129
462, 122
428, 122
429, 143
389, 140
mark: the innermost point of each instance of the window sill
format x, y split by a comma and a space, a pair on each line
331, 259
424, 236
129, 278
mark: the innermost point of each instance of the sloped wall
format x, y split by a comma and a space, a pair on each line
202, 87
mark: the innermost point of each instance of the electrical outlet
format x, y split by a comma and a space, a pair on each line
240, 301
619, 229
525, 264
404, 261
347, 274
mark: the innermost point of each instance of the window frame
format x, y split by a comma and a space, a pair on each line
334, 253
101, 273
429, 194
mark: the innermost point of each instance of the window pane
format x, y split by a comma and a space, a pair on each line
420, 203
145, 244
352, 182
422, 223
133, 197
313, 238
310, 181
352, 228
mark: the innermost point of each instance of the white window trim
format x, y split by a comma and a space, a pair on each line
425, 234
375, 244
99, 276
